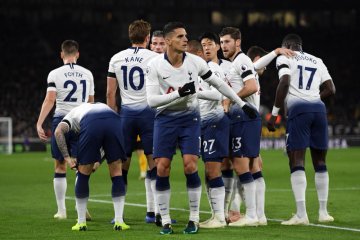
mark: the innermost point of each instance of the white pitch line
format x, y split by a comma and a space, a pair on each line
185, 210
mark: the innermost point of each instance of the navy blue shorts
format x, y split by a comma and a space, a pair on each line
215, 139
167, 138
307, 130
245, 138
71, 140
97, 133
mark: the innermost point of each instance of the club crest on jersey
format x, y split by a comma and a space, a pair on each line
190, 73
244, 67
147, 70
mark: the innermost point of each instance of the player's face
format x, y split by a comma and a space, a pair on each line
210, 49
228, 46
177, 40
158, 44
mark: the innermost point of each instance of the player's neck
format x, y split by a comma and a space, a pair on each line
139, 45
234, 55
69, 60
175, 58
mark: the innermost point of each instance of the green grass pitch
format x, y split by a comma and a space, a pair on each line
27, 201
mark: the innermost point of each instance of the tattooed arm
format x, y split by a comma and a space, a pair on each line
60, 132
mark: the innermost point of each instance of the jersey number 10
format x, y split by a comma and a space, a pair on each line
131, 77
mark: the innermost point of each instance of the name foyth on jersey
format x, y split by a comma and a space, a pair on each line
73, 74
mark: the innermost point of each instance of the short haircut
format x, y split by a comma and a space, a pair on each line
138, 31
255, 51
70, 47
194, 46
292, 39
210, 35
171, 26
232, 31
158, 33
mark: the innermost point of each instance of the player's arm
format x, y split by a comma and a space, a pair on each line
111, 88
60, 132
212, 95
250, 87
327, 89
225, 89
46, 107
91, 99
266, 60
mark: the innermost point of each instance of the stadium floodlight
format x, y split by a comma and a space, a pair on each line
6, 141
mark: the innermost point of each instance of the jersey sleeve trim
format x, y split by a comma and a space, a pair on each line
51, 84
282, 66
246, 73
67, 122
206, 75
111, 74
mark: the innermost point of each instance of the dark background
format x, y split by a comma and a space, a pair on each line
33, 30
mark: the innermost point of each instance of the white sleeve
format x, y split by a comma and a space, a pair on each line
51, 82
225, 89
283, 66
264, 60
212, 95
154, 97
111, 66
325, 75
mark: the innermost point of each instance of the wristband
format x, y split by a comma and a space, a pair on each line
275, 111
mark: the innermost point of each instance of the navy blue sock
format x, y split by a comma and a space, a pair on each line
246, 178
228, 173
118, 186
153, 173
148, 175
82, 185
60, 175
124, 175
162, 183
216, 182
321, 169
294, 169
257, 175
193, 180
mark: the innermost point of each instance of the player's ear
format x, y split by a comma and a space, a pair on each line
62, 55
217, 47
237, 42
77, 55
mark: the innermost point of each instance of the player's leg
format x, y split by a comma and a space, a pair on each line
297, 131
60, 186
260, 189
237, 198
164, 149
246, 146
60, 183
318, 147
82, 195
228, 179
189, 144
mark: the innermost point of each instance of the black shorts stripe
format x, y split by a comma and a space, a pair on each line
51, 84
282, 66
111, 74
246, 73
206, 75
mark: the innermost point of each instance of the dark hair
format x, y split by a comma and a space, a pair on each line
255, 51
194, 46
158, 33
70, 47
210, 35
232, 31
292, 40
171, 26
138, 31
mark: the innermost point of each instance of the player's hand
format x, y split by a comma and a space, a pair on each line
271, 123
96, 166
187, 89
71, 162
251, 112
284, 51
226, 105
41, 133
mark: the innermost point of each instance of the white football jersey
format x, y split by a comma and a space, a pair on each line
211, 109
242, 69
225, 66
128, 67
167, 78
307, 73
73, 85
75, 116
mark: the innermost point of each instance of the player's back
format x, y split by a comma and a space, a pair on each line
307, 73
73, 85
129, 67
